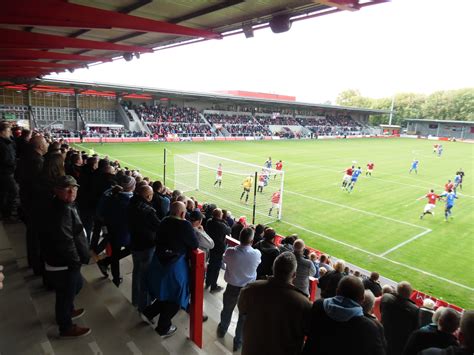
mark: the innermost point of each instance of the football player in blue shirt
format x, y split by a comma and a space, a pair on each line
355, 175
450, 197
414, 166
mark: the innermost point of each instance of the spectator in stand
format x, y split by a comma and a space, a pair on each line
275, 311
143, 224
286, 243
368, 308
205, 241
22, 142
86, 195
328, 283
29, 169
305, 268
217, 230
8, 189
237, 227
338, 326
441, 337
269, 253
314, 259
75, 168
113, 210
161, 202
322, 271
373, 284
64, 248
229, 219
259, 230
241, 269
465, 335
325, 262
425, 314
399, 317
168, 277
385, 289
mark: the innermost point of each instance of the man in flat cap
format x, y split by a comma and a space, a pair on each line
65, 249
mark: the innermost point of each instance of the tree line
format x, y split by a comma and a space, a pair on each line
440, 105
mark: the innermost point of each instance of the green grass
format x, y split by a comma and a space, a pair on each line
380, 214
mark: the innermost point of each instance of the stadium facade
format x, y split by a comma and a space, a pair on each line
441, 128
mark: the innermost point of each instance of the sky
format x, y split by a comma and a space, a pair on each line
403, 46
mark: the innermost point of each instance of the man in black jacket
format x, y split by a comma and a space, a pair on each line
399, 317
269, 253
373, 284
143, 224
65, 249
338, 325
217, 230
8, 189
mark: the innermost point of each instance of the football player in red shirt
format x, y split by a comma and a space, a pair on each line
278, 166
449, 186
276, 197
370, 168
219, 176
429, 207
346, 180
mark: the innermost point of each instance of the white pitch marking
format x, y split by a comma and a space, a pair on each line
356, 209
380, 257
405, 242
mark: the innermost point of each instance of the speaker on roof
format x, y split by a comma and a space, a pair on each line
280, 23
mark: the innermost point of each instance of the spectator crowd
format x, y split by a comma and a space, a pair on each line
74, 205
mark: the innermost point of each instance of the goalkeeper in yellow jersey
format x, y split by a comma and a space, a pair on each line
247, 184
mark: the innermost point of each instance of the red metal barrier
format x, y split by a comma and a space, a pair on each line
197, 296
313, 288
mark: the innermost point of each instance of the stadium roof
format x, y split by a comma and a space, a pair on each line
147, 93
41, 37
470, 123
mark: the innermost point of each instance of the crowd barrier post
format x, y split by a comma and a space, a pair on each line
313, 288
197, 296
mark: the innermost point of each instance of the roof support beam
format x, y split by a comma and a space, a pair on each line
21, 39
26, 54
61, 13
32, 64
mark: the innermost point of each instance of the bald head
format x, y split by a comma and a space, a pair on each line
298, 245
145, 191
39, 144
404, 289
351, 287
178, 209
448, 321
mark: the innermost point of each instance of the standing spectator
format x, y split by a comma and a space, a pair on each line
269, 253
425, 314
241, 269
168, 277
276, 312
8, 189
86, 195
259, 229
217, 230
22, 142
113, 210
205, 241
385, 289
328, 283
368, 308
399, 317
143, 224
466, 339
338, 325
441, 337
305, 268
29, 168
64, 247
160, 202
373, 284
325, 262
314, 259
237, 227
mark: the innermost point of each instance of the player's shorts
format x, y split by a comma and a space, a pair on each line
370, 170
448, 207
347, 178
429, 207
219, 177
261, 183
275, 205
354, 180
247, 189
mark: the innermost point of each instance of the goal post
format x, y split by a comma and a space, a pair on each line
243, 188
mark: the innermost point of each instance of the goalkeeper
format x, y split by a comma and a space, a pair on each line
247, 185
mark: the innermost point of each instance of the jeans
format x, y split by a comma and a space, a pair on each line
212, 274
8, 194
67, 285
141, 262
166, 309
231, 296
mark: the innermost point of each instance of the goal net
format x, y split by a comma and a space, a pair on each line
245, 189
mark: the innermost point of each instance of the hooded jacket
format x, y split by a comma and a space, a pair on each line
269, 254
338, 326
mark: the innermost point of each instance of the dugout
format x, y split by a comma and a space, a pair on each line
441, 128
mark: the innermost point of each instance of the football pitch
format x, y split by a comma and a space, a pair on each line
376, 227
